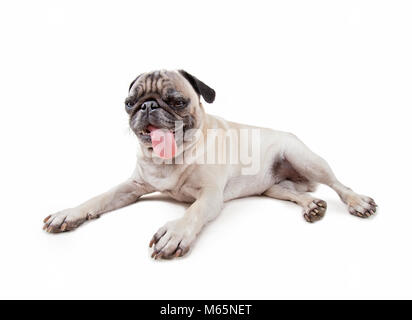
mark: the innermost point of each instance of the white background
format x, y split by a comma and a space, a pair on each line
335, 73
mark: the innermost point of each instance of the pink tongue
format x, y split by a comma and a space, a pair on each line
163, 142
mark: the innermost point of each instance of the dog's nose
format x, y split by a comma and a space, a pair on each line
149, 105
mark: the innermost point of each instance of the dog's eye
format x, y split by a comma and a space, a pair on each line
129, 105
179, 104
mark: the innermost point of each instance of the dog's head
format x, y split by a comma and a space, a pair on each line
168, 101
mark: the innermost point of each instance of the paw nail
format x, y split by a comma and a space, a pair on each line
178, 253
158, 256
47, 218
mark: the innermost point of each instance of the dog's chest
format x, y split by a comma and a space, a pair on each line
169, 179
162, 178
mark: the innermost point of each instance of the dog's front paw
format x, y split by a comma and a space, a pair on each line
173, 240
361, 206
65, 220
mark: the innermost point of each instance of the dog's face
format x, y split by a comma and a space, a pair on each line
168, 100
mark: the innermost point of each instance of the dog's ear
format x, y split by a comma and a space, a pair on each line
131, 85
202, 89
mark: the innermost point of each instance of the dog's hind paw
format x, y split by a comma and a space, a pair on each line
361, 206
315, 210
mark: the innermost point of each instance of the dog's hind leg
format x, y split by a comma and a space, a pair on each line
315, 169
313, 209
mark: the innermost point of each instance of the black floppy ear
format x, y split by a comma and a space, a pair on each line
131, 85
202, 89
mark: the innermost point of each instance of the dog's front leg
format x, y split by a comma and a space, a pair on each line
175, 238
118, 197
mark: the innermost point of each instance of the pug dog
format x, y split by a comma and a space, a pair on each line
167, 116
